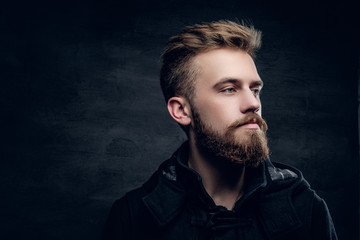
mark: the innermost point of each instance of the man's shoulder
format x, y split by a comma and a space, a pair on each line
151, 199
136, 195
289, 204
164, 173
129, 213
288, 190
283, 177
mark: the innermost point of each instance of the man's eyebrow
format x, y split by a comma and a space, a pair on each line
257, 83
222, 81
226, 80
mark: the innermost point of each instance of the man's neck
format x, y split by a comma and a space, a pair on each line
223, 184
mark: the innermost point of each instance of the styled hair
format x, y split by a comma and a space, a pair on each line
178, 73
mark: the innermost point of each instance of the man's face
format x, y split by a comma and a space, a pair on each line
226, 107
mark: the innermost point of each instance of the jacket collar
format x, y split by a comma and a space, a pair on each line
175, 181
165, 201
167, 197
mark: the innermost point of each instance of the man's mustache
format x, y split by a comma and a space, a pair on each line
250, 118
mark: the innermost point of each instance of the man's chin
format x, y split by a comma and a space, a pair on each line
243, 135
247, 130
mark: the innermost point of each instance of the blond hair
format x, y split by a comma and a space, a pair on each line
178, 74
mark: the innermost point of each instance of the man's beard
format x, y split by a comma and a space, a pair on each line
246, 148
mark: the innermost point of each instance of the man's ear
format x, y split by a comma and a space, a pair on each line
179, 109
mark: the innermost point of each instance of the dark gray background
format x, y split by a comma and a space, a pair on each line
83, 119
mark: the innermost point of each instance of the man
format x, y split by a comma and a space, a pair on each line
220, 184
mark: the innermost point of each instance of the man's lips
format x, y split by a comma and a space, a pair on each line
252, 124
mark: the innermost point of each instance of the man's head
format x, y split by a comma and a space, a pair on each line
178, 74
212, 88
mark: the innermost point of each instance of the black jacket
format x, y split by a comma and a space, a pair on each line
277, 204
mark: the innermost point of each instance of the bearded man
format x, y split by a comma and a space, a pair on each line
220, 184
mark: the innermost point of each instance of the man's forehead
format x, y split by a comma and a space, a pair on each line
226, 66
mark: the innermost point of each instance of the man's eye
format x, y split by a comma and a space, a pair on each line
229, 90
256, 92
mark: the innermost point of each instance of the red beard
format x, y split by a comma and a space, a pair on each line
248, 148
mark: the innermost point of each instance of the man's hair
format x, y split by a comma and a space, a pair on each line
178, 73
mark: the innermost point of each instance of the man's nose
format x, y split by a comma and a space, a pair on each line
250, 102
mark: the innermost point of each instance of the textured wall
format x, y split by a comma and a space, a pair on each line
83, 119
